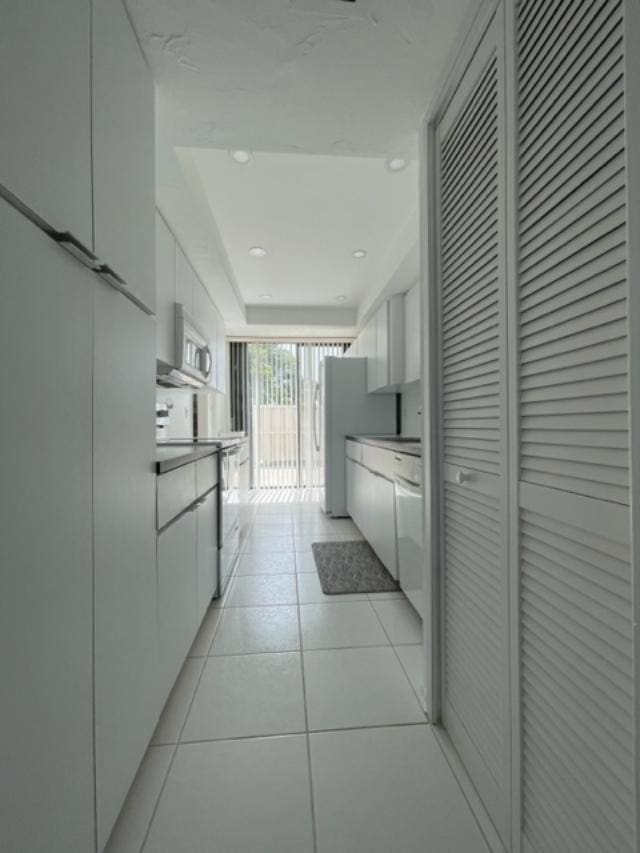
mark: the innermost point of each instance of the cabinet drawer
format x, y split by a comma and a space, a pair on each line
206, 474
378, 459
354, 451
176, 490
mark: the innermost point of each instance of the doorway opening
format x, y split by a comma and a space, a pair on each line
276, 395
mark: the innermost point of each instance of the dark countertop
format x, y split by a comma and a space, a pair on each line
180, 451
169, 457
399, 444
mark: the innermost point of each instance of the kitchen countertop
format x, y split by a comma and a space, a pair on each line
399, 444
170, 456
173, 453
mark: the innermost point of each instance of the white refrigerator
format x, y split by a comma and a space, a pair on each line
348, 409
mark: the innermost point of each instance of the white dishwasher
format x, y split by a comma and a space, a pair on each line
407, 477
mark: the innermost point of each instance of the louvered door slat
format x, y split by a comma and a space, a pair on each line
471, 321
576, 617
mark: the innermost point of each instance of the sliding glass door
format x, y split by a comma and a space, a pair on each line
283, 392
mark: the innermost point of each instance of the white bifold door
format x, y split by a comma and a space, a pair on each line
472, 390
535, 312
576, 619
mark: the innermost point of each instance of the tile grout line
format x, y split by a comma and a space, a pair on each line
186, 716
406, 675
301, 733
314, 829
205, 658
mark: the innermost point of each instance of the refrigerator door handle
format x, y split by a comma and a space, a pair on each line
316, 417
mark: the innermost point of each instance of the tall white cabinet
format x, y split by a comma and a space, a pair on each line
45, 103
127, 695
79, 602
533, 252
46, 606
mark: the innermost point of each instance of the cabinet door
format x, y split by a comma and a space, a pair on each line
46, 633
221, 360
126, 664
45, 103
351, 509
177, 595
412, 334
185, 281
369, 352
382, 522
123, 151
206, 319
207, 552
165, 292
382, 347
362, 494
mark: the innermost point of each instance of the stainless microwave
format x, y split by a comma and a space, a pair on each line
193, 358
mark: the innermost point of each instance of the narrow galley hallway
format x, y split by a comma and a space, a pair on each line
295, 725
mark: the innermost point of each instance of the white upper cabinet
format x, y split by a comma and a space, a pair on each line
206, 319
45, 103
185, 281
385, 369
221, 356
177, 281
165, 291
123, 150
412, 336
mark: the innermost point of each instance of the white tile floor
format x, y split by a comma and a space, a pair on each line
295, 725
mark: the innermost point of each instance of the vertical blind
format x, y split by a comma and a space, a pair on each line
276, 397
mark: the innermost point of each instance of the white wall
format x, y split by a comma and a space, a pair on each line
180, 402
411, 408
213, 415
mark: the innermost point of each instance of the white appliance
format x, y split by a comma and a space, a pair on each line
407, 477
193, 358
348, 409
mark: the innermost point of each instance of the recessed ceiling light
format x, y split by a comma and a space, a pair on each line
341, 298
265, 296
359, 254
397, 164
240, 157
257, 252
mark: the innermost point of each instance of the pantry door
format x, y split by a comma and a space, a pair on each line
471, 321
579, 786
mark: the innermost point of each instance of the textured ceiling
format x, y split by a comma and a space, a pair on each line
319, 76
322, 92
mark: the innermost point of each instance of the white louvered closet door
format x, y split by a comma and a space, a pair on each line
574, 519
472, 344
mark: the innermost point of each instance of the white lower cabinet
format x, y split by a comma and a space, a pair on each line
381, 521
206, 551
351, 489
177, 597
371, 504
125, 585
